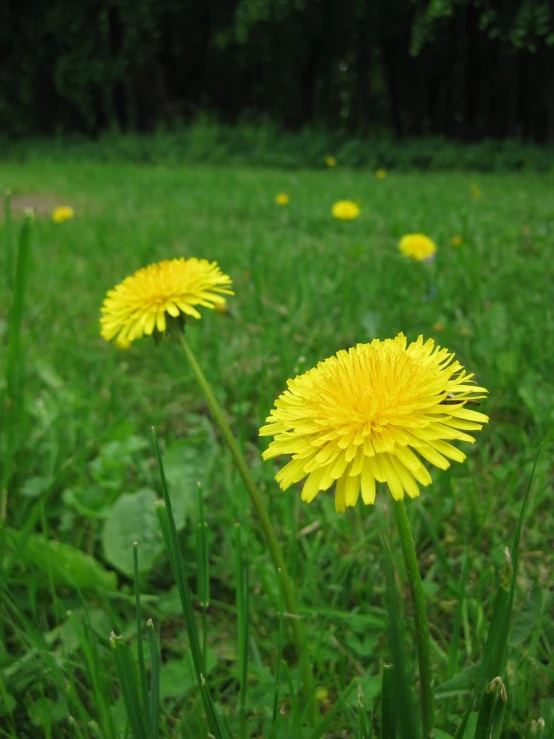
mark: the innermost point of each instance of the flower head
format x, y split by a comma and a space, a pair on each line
282, 199
346, 210
381, 174
138, 305
456, 241
62, 213
417, 246
330, 162
370, 415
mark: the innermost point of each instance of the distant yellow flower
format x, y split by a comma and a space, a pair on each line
456, 240
476, 191
138, 305
417, 246
438, 326
282, 199
381, 174
346, 210
330, 161
364, 415
63, 213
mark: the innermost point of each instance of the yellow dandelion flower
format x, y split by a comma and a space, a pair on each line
370, 415
381, 174
282, 199
63, 213
438, 326
456, 241
138, 305
476, 191
346, 210
330, 162
417, 246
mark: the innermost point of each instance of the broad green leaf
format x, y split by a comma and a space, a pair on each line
177, 677
64, 564
132, 518
185, 466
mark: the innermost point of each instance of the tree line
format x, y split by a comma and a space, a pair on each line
466, 69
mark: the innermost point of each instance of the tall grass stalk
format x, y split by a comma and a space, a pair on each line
423, 642
12, 405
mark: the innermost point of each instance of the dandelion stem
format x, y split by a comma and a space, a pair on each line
298, 631
420, 617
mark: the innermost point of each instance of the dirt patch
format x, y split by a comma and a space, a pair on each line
41, 203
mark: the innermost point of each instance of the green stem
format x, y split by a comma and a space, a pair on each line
420, 617
298, 632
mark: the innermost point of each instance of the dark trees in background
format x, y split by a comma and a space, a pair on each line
466, 69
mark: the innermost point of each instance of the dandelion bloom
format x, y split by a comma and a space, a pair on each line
381, 174
346, 210
330, 161
370, 415
282, 199
417, 246
138, 305
63, 213
456, 240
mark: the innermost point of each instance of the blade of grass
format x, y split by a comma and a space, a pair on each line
217, 727
8, 231
241, 580
202, 568
280, 639
13, 405
140, 645
129, 686
154, 680
388, 713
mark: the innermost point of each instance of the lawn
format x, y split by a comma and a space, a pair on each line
305, 285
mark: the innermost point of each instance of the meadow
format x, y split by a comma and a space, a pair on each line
306, 285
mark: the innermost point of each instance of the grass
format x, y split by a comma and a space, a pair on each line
85, 471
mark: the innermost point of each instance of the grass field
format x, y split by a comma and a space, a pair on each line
305, 286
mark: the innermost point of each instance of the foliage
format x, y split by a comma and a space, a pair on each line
104, 65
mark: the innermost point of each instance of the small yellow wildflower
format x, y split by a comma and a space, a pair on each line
369, 415
381, 174
282, 199
346, 210
438, 326
417, 246
138, 305
476, 191
62, 213
330, 162
456, 240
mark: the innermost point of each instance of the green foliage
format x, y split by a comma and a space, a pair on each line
305, 286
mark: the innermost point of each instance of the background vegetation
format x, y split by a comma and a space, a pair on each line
466, 69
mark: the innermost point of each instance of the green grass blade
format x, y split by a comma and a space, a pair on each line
129, 686
241, 580
388, 711
401, 683
13, 404
140, 645
217, 726
202, 569
280, 640
154, 680
8, 231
